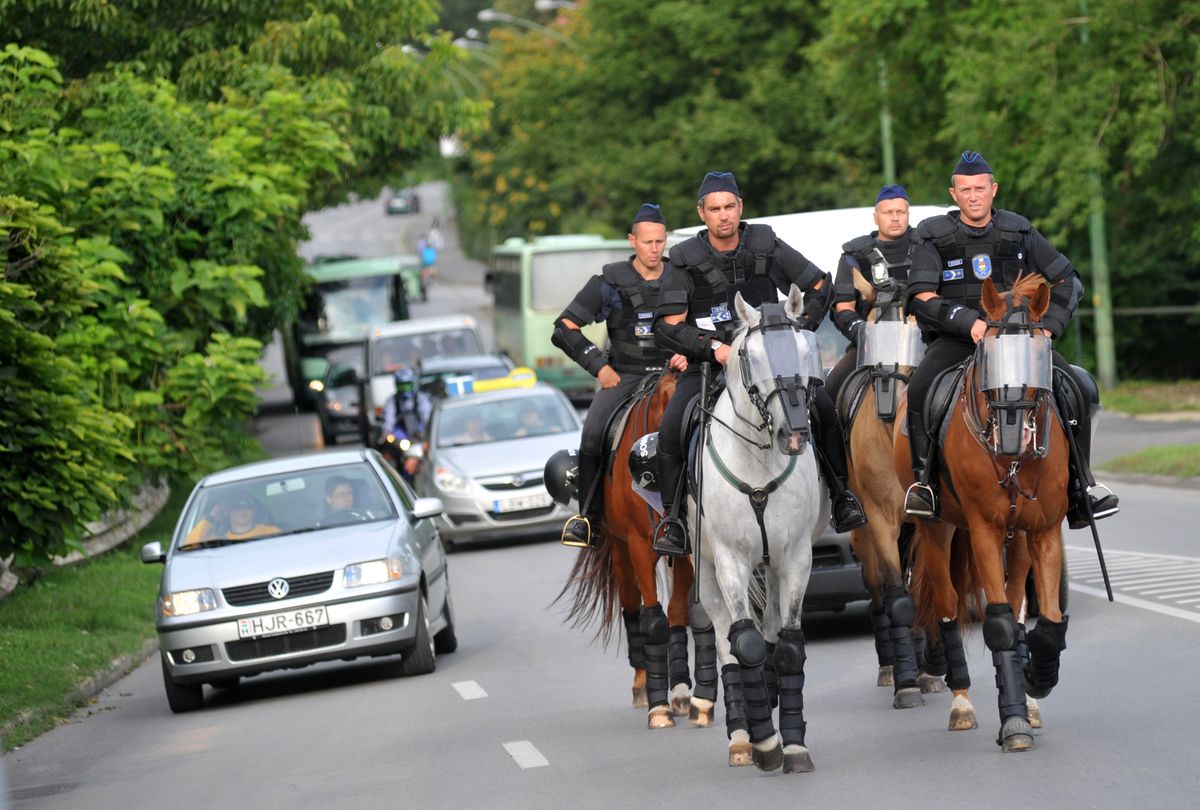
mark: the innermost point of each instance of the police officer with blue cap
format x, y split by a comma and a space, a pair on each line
882, 255
697, 319
956, 253
623, 296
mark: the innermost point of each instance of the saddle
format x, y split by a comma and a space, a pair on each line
614, 428
850, 396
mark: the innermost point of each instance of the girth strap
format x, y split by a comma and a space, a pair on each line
757, 495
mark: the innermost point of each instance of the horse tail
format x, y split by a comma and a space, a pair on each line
967, 583
923, 586
592, 586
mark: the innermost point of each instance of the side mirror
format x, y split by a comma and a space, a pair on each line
153, 553
427, 508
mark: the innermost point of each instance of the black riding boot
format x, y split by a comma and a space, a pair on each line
1104, 501
670, 536
583, 530
847, 511
921, 499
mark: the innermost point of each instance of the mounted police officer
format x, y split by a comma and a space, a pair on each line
696, 319
624, 296
882, 254
957, 251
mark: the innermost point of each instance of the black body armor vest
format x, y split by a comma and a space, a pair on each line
967, 261
895, 258
717, 278
629, 326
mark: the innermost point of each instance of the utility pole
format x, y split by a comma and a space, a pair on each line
885, 125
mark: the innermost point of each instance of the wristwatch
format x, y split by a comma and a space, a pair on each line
716, 344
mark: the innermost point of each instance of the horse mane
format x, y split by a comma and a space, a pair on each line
1027, 285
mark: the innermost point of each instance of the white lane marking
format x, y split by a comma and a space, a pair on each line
1166, 610
469, 690
1132, 571
525, 754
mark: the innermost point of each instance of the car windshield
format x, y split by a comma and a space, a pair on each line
285, 504
390, 354
345, 310
502, 420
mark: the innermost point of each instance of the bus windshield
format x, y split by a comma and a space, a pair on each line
345, 310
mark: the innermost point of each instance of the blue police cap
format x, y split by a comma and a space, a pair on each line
718, 181
649, 212
972, 163
893, 192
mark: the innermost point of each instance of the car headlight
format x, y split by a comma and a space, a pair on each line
185, 603
372, 572
447, 480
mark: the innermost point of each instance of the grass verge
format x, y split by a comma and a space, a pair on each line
71, 625
1137, 398
1180, 461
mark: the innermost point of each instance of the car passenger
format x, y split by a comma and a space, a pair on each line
473, 431
339, 495
232, 520
531, 423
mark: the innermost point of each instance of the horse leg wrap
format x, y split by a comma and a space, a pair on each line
931, 654
881, 624
771, 676
751, 652
901, 611
735, 704
957, 674
705, 642
789, 662
677, 658
1000, 635
637, 641
1046, 641
657, 633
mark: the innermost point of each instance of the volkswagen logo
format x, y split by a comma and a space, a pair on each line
518, 481
278, 587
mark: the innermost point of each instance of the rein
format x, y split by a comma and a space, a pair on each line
757, 495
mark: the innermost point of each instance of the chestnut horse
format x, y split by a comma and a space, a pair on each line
889, 348
620, 573
1005, 469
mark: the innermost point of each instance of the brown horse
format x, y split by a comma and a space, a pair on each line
1004, 484
889, 349
620, 573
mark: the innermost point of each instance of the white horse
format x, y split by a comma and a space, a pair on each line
763, 504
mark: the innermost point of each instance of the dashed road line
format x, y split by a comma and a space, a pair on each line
525, 754
469, 690
1164, 583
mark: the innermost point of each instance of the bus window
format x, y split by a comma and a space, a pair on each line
558, 277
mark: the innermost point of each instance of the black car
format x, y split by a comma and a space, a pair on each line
339, 400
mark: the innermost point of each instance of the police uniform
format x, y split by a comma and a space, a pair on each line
704, 285
865, 254
953, 260
625, 301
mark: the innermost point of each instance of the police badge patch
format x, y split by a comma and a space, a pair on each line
642, 330
981, 266
953, 274
720, 313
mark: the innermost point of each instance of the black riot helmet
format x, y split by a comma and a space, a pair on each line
562, 476
643, 463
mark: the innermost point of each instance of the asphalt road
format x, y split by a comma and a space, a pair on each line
530, 713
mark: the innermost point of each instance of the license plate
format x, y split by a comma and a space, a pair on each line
538, 501
275, 624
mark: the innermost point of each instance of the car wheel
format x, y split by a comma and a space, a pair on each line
181, 697
446, 641
225, 683
422, 658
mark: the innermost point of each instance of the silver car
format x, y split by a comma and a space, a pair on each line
285, 563
485, 461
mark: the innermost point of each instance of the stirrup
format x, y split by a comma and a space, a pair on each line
569, 539
926, 507
667, 548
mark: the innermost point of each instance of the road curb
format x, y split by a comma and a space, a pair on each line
1146, 479
117, 669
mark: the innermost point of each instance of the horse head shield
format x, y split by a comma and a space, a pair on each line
890, 346
778, 364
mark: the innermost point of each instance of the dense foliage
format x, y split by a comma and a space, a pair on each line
156, 160
1065, 98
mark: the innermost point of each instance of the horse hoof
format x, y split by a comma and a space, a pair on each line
962, 715
660, 717
908, 698
885, 676
930, 683
1035, 712
640, 701
740, 754
796, 759
681, 702
700, 713
1016, 735
768, 754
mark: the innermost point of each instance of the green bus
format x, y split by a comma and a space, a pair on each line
347, 297
531, 282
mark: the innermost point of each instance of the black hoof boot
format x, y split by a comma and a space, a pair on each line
670, 538
577, 533
847, 512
